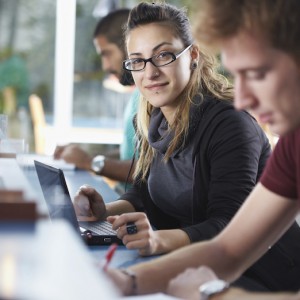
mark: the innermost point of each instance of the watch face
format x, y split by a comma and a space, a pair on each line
98, 163
213, 287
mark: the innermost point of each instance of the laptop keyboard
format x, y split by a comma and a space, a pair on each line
101, 228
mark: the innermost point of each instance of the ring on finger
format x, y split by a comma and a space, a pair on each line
131, 228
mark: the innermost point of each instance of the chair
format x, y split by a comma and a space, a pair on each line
39, 123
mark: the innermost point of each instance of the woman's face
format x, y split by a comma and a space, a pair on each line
161, 86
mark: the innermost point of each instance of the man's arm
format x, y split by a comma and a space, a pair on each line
260, 222
118, 169
113, 168
186, 286
238, 294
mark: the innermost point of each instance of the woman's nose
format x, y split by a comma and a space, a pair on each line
151, 71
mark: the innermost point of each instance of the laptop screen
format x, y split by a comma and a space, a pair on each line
56, 194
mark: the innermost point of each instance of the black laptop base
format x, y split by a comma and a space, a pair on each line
95, 240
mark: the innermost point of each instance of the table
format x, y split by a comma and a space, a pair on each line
47, 260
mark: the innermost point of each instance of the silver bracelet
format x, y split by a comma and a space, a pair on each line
132, 275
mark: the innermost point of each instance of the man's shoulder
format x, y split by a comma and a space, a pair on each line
289, 144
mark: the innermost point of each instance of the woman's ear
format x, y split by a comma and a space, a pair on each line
194, 57
195, 53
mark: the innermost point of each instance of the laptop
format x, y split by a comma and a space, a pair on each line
60, 206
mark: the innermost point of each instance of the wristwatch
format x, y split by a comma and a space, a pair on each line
211, 288
98, 163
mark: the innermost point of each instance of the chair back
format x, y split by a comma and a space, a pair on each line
39, 122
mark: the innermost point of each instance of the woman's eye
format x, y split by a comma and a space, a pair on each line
136, 61
163, 55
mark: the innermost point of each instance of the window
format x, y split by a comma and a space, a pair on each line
27, 40
46, 48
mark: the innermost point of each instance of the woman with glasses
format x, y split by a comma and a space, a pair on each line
199, 158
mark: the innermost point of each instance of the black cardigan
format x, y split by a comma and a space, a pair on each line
229, 154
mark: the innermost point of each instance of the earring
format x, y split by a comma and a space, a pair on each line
194, 65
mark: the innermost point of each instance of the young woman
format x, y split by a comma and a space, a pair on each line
198, 157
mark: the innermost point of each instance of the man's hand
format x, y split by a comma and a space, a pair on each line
186, 285
75, 155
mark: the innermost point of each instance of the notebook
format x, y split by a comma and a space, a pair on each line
60, 206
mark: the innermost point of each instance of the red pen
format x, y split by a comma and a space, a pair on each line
109, 255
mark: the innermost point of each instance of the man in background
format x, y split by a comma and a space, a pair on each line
108, 41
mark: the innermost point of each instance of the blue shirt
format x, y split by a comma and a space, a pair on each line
128, 144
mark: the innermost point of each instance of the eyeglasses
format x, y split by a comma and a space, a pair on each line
159, 60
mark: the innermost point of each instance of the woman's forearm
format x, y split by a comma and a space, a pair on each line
119, 207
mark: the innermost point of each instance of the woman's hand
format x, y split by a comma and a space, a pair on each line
186, 285
145, 240
89, 204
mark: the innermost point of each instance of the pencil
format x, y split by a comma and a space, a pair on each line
109, 255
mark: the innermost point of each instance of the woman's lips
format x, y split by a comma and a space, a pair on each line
156, 86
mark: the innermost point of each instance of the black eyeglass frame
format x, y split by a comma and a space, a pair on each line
174, 57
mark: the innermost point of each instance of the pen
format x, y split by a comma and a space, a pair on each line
109, 254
